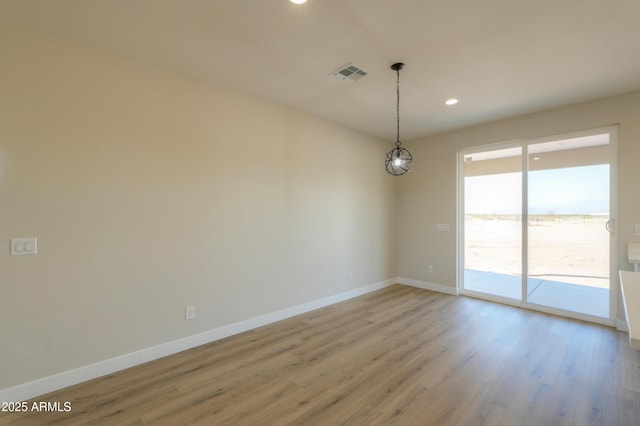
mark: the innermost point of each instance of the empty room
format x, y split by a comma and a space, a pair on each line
320, 212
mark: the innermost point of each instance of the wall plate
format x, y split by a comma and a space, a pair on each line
24, 246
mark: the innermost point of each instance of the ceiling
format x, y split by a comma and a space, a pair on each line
500, 58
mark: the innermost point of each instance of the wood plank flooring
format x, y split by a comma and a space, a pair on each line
400, 356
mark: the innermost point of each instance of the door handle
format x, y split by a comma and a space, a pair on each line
611, 226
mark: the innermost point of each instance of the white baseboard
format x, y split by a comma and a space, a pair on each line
621, 325
68, 378
428, 286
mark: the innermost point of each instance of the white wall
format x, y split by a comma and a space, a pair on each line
149, 191
428, 194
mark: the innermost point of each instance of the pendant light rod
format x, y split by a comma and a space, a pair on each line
397, 67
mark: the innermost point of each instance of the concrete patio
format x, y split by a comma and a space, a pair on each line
556, 294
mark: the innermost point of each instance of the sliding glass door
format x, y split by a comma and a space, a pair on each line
536, 224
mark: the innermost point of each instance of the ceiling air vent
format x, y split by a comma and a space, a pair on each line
348, 72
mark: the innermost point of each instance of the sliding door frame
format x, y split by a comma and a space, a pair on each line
613, 215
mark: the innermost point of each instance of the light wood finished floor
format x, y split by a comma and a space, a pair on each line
397, 356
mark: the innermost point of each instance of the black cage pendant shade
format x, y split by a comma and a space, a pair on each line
399, 159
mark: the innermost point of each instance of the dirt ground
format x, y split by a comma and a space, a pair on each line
571, 249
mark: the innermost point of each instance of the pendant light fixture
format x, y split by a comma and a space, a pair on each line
399, 159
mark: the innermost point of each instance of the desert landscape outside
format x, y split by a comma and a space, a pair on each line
568, 248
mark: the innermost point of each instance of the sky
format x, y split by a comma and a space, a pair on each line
575, 190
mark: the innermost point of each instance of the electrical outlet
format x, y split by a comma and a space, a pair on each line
190, 312
637, 230
430, 269
351, 276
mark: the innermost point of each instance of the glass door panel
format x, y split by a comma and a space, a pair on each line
493, 223
568, 211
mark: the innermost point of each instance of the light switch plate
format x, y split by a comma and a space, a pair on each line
24, 246
443, 227
637, 230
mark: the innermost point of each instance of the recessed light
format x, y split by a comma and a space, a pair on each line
451, 101
298, 1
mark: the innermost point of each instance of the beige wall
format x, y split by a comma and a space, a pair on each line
428, 193
149, 191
